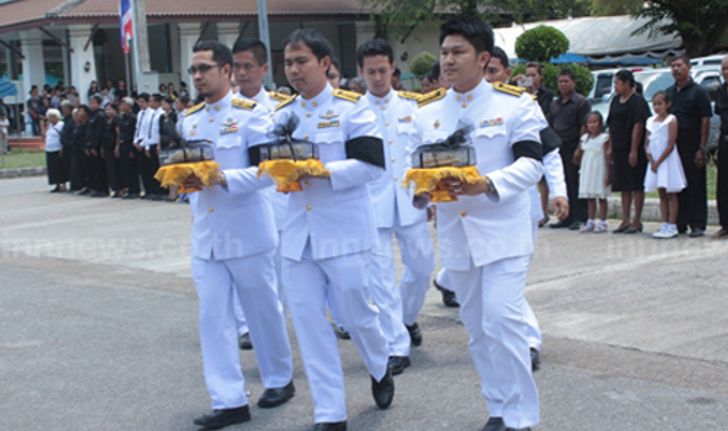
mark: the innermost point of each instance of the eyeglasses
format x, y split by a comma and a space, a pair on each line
202, 68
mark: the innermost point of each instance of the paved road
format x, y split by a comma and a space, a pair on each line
98, 330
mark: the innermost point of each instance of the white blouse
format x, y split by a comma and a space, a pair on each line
53, 137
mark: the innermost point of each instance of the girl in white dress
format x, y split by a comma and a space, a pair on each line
593, 155
664, 171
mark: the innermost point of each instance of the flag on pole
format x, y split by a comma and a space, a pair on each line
126, 14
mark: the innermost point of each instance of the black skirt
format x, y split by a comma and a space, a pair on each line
625, 178
55, 166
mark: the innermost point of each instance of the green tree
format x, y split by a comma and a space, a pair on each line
616, 7
584, 77
700, 23
541, 44
422, 63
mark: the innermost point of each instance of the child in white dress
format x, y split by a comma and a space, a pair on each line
665, 171
593, 155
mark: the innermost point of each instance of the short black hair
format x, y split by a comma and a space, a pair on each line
184, 99
598, 115
313, 39
434, 74
168, 100
372, 48
473, 29
664, 94
143, 96
536, 65
567, 72
113, 105
85, 109
683, 57
502, 56
220, 52
157, 97
98, 99
626, 76
255, 46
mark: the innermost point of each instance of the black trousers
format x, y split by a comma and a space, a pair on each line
128, 167
97, 173
693, 199
578, 211
113, 173
149, 167
721, 195
79, 168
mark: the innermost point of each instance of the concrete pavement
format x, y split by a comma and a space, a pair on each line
98, 330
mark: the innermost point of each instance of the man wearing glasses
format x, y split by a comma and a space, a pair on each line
233, 246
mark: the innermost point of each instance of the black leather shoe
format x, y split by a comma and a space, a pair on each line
535, 360
223, 417
98, 194
397, 364
244, 341
415, 334
274, 397
341, 333
448, 296
329, 426
495, 424
697, 232
560, 225
575, 226
383, 390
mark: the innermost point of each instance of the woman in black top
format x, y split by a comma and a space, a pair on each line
110, 149
627, 116
168, 136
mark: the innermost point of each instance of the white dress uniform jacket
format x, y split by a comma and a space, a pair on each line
142, 125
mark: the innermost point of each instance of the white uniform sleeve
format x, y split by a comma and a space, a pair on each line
553, 170
524, 172
360, 121
255, 132
154, 140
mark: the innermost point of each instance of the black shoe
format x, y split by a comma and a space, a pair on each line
341, 332
274, 397
223, 417
575, 226
131, 196
97, 194
697, 232
560, 225
415, 334
83, 191
535, 360
329, 426
634, 229
56, 190
495, 424
448, 296
244, 341
116, 195
383, 390
721, 234
397, 364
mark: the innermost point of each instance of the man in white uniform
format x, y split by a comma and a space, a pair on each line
393, 210
485, 236
499, 70
233, 246
250, 65
329, 230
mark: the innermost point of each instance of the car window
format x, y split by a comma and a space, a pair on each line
652, 82
603, 85
711, 85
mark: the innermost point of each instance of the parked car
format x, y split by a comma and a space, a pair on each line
711, 60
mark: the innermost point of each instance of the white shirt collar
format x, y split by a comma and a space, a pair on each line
465, 98
220, 104
380, 101
319, 99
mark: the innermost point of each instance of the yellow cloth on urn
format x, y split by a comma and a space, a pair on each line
426, 179
175, 174
287, 172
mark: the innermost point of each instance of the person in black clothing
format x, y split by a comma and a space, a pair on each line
168, 136
691, 106
721, 196
568, 118
628, 114
79, 164
127, 153
67, 136
544, 96
94, 135
111, 150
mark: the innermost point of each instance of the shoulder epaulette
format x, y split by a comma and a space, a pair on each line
192, 109
278, 97
410, 95
243, 104
288, 101
513, 90
347, 95
430, 97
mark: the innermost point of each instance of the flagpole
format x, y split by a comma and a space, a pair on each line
264, 36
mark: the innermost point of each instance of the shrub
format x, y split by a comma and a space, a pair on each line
422, 63
541, 44
584, 77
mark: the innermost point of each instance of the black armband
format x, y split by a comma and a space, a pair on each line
368, 149
550, 140
530, 149
254, 156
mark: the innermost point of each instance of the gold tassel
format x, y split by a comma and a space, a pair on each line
175, 175
287, 173
426, 180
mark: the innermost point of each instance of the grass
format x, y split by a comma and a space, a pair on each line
22, 159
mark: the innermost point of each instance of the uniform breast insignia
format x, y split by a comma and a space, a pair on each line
285, 103
509, 89
407, 119
410, 95
329, 115
243, 104
229, 126
347, 95
329, 124
430, 97
196, 108
492, 122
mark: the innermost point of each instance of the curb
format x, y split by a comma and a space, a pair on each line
23, 172
651, 210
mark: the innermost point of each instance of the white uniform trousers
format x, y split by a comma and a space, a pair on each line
491, 308
343, 280
535, 338
240, 316
252, 278
400, 305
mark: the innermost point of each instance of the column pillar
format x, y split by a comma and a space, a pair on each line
83, 64
188, 35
